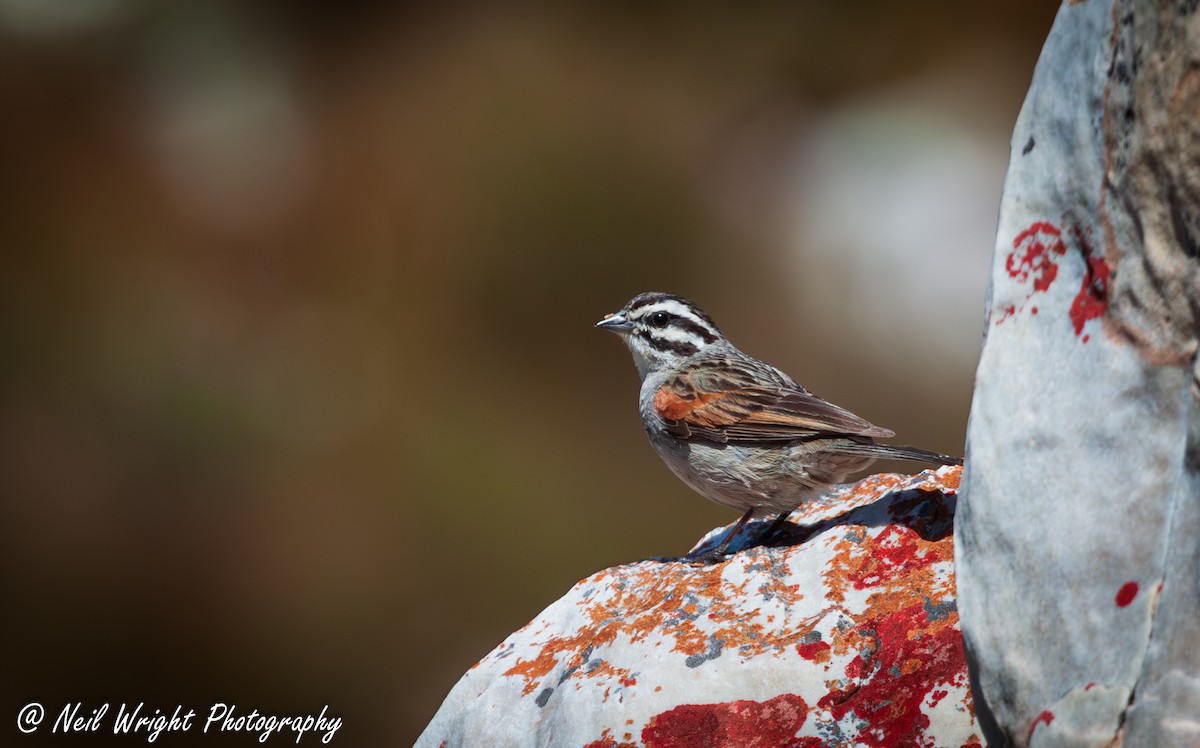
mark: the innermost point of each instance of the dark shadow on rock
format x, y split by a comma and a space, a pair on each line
930, 514
992, 733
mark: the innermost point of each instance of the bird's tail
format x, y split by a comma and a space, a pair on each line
897, 452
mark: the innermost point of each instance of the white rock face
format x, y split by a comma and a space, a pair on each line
1077, 542
846, 634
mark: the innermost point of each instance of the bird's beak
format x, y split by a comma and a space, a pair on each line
615, 323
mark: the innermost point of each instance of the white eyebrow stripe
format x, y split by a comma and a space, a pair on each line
671, 306
674, 307
678, 335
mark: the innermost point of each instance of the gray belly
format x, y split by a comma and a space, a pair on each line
772, 479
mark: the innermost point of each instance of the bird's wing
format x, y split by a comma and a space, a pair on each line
726, 406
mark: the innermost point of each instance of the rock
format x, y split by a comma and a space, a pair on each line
1078, 542
844, 634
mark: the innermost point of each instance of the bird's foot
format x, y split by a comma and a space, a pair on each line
707, 557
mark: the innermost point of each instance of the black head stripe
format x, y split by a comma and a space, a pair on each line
646, 299
655, 297
691, 327
683, 348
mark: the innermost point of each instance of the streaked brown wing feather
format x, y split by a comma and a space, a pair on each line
724, 409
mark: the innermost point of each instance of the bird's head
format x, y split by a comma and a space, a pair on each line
662, 331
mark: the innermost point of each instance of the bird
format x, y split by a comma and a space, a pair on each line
735, 429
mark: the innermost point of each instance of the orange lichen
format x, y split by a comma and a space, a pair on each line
607, 741
882, 619
663, 599
951, 478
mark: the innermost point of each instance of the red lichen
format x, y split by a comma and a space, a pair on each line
815, 652
907, 647
1126, 594
1045, 718
653, 598
732, 724
893, 553
889, 658
1033, 259
912, 657
1092, 299
897, 563
1032, 255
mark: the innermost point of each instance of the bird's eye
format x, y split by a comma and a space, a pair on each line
659, 319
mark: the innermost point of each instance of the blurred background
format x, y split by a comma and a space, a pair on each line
302, 404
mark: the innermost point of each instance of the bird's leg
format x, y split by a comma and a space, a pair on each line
723, 547
779, 522
718, 553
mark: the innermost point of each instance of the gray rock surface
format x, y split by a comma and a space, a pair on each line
1077, 546
844, 636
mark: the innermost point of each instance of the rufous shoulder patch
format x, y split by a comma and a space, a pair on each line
674, 407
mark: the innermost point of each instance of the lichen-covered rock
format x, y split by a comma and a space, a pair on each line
1078, 542
845, 634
